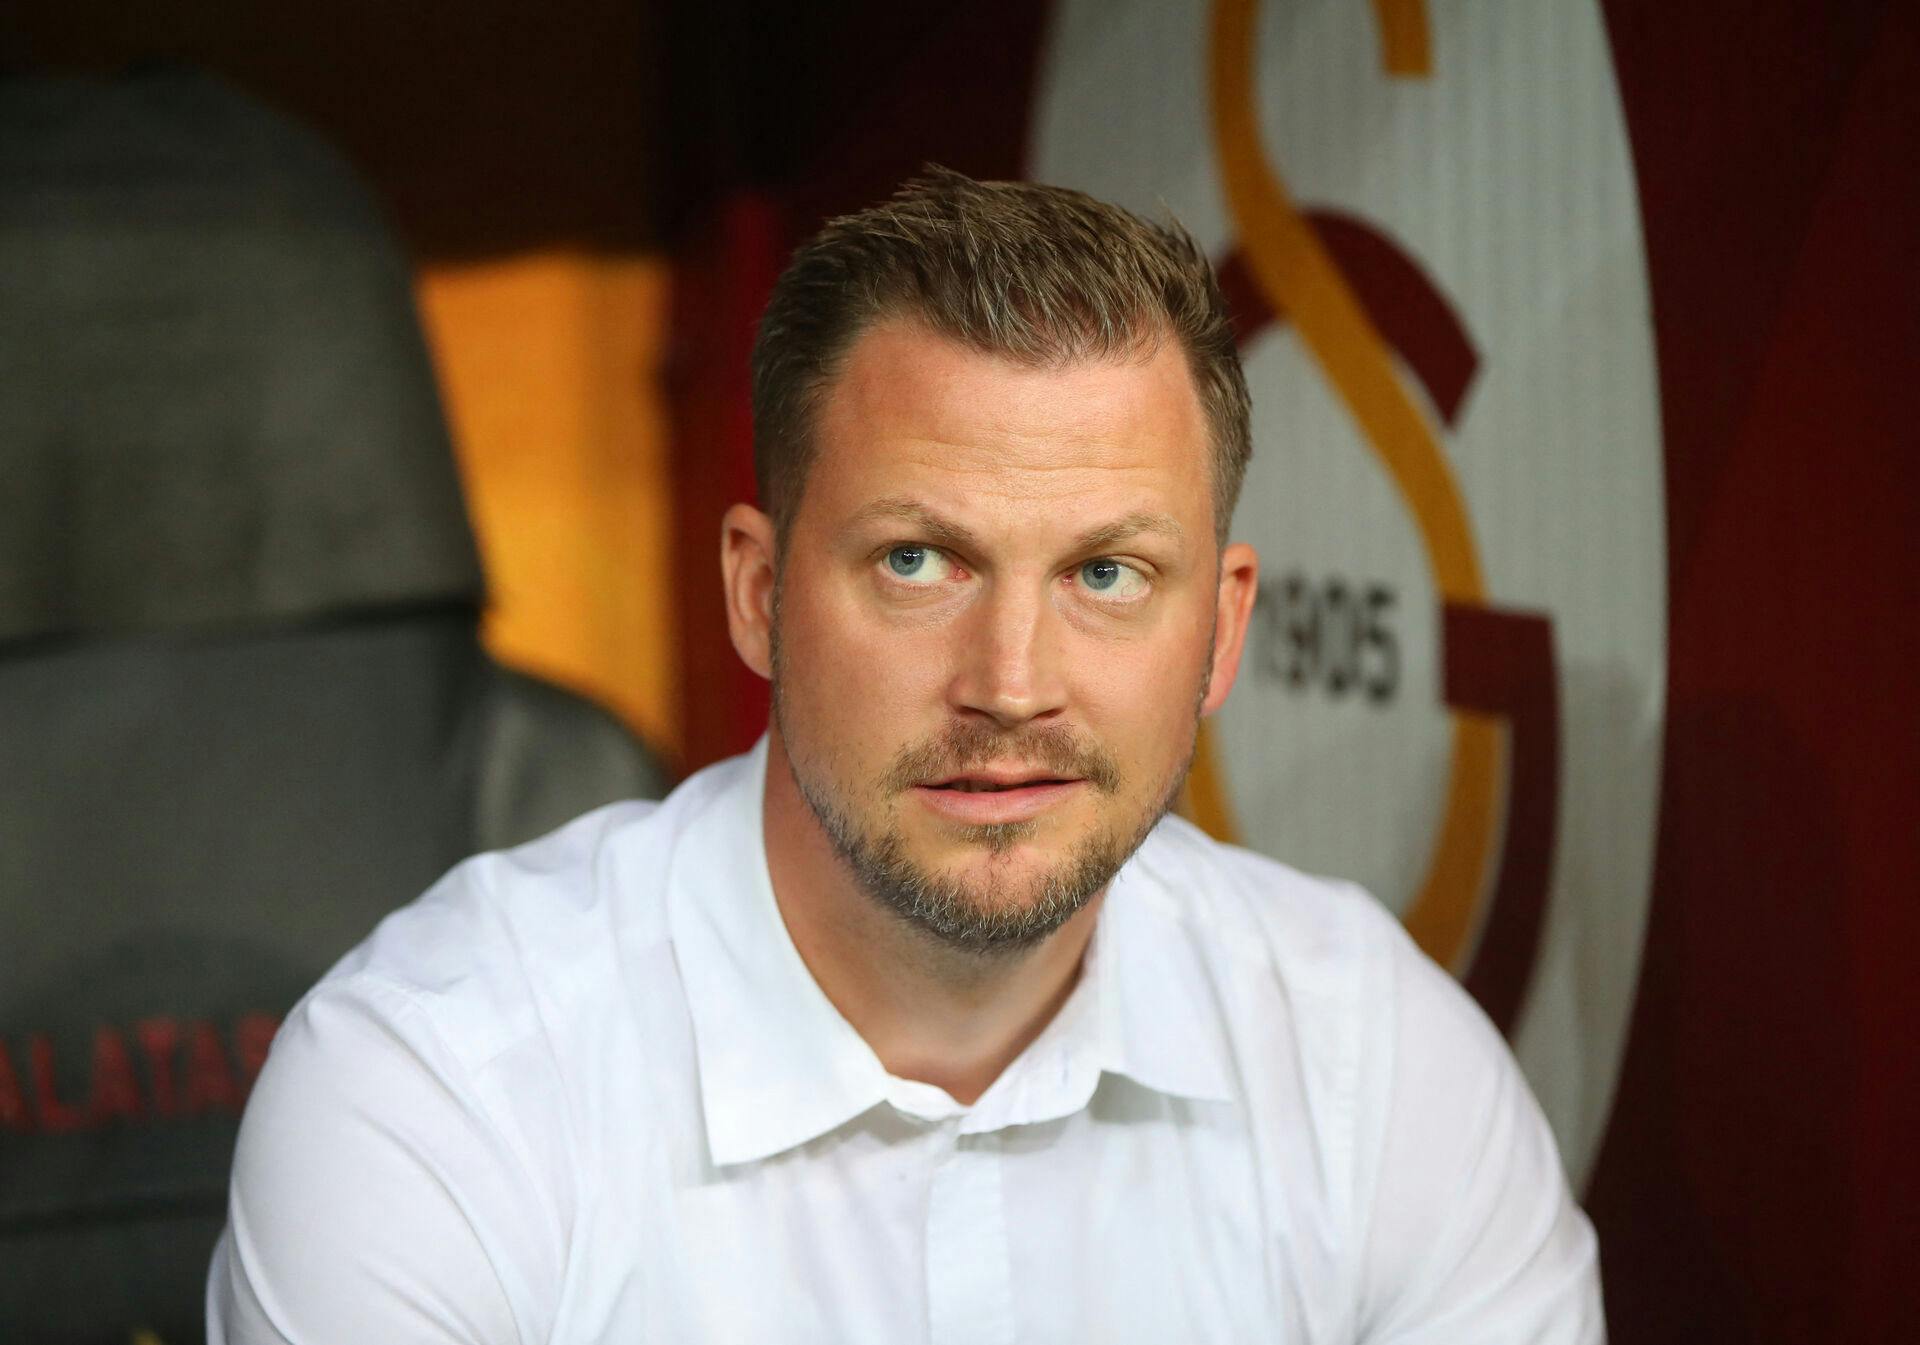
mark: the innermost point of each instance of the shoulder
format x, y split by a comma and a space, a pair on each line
472, 952
411, 1125
427, 1109
1266, 919
1429, 1147
517, 943
1319, 982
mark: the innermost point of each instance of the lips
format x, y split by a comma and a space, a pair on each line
985, 784
981, 798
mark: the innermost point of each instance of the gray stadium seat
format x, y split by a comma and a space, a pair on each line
243, 707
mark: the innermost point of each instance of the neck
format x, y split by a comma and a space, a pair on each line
946, 1016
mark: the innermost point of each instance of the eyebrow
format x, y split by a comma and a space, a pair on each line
1132, 525
944, 532
928, 524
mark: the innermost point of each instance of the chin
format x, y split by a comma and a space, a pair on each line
1010, 880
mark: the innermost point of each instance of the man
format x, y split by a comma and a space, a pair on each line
923, 1021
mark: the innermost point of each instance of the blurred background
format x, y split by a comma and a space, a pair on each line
373, 377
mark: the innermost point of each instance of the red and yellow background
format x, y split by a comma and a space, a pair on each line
598, 195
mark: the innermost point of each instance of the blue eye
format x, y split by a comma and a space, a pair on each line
1112, 579
918, 564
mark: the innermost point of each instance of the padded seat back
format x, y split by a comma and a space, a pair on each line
243, 708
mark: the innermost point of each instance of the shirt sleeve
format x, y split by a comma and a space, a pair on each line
372, 1198
1472, 1232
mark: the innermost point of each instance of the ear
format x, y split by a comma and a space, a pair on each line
1233, 609
746, 576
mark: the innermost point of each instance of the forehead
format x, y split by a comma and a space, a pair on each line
972, 434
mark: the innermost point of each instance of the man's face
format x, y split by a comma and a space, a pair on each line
994, 625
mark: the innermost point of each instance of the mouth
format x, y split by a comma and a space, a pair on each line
979, 798
997, 784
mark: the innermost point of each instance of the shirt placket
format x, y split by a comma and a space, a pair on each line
969, 1269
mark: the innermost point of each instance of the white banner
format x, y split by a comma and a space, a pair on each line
1454, 691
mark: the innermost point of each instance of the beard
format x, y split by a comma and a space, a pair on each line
1001, 911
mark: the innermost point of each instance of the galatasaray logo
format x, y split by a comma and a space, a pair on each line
1427, 227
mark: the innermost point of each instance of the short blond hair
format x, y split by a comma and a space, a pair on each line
1042, 275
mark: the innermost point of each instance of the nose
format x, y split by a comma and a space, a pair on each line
1009, 663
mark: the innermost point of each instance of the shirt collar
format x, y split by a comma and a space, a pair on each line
779, 1065
1163, 1022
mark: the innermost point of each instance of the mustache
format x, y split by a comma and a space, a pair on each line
1054, 747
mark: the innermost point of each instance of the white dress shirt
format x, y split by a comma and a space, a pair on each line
587, 1091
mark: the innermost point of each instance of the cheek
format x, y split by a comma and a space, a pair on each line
1142, 701
851, 673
